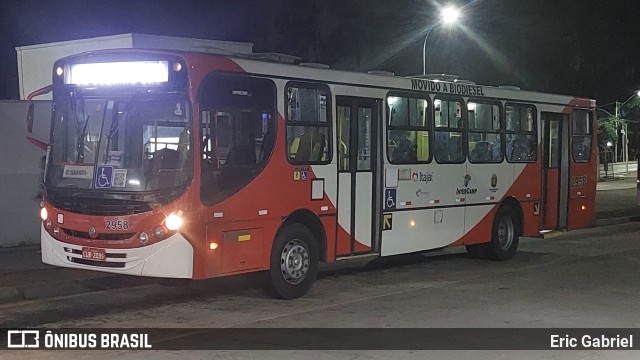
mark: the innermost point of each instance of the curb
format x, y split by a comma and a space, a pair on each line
615, 221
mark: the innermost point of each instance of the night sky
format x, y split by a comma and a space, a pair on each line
587, 48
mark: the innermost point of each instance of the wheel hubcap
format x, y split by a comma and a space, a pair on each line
294, 261
505, 233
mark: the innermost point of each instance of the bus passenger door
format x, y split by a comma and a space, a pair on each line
555, 170
357, 120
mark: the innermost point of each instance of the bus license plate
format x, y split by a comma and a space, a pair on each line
94, 254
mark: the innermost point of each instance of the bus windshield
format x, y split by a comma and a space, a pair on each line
131, 143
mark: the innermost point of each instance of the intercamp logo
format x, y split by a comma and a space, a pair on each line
23, 339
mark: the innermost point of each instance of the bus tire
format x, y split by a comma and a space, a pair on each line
294, 262
504, 235
477, 251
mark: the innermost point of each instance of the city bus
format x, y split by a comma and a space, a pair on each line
194, 165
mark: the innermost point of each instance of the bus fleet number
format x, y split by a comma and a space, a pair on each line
116, 224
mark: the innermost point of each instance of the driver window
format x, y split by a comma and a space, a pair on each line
237, 132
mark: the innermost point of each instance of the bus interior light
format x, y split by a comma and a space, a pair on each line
174, 221
44, 214
118, 73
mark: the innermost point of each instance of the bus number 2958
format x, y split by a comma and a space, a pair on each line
116, 224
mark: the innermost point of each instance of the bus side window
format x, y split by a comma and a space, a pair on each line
448, 132
308, 131
582, 130
408, 130
484, 132
521, 140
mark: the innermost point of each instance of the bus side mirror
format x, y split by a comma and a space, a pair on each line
31, 115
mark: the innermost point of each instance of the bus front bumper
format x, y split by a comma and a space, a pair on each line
170, 258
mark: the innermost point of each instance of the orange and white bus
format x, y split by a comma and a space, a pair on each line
192, 165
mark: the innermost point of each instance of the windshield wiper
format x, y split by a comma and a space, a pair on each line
115, 121
80, 134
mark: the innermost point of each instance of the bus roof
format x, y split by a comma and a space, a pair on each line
445, 85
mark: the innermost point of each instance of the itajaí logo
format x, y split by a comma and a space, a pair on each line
422, 177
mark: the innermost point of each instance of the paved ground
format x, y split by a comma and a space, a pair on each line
587, 278
619, 170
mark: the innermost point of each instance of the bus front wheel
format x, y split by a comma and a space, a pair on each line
294, 262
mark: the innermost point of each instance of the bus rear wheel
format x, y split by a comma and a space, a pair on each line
294, 262
504, 237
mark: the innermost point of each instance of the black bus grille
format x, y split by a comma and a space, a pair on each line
93, 206
104, 264
100, 236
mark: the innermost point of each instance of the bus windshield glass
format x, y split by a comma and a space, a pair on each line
131, 143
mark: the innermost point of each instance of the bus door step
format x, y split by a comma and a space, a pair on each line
550, 234
361, 256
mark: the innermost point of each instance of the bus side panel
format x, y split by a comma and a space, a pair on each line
527, 190
422, 229
329, 223
247, 222
551, 201
531, 225
582, 191
480, 224
582, 195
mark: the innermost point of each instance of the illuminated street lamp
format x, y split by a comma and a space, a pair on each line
625, 140
448, 15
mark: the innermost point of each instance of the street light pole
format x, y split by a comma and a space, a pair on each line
424, 48
625, 140
615, 160
448, 15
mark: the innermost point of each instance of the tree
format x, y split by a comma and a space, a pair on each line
606, 131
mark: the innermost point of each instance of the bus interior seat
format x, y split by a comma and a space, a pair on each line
454, 149
242, 155
311, 146
481, 152
163, 168
442, 145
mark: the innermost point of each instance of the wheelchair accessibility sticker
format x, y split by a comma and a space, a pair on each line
104, 177
390, 199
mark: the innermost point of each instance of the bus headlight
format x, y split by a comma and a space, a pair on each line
174, 221
44, 214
